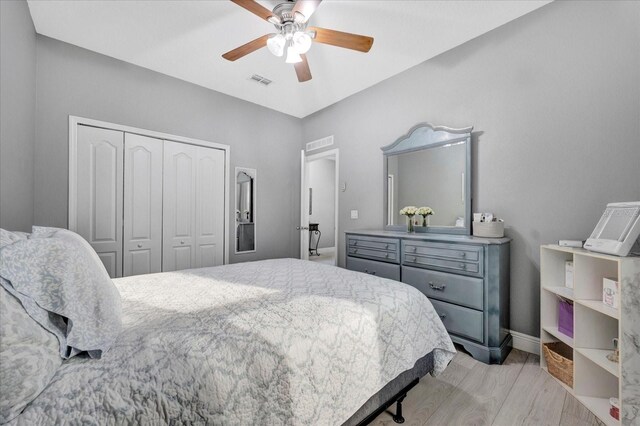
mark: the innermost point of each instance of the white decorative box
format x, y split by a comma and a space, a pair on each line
568, 273
611, 292
488, 229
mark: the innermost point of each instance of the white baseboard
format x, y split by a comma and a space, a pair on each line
526, 343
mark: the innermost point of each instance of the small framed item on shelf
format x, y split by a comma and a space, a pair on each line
611, 292
568, 273
565, 318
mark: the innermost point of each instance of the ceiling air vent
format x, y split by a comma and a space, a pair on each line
260, 79
320, 143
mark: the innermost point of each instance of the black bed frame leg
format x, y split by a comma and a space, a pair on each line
398, 416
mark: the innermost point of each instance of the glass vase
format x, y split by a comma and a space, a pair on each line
410, 224
425, 220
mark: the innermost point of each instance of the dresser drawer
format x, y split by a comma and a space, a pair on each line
443, 250
463, 322
458, 289
383, 249
456, 266
371, 267
376, 244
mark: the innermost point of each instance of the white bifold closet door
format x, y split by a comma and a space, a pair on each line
99, 193
193, 206
142, 205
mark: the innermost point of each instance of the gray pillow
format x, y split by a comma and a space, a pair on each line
64, 286
29, 357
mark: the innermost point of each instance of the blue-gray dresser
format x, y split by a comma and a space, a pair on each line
466, 279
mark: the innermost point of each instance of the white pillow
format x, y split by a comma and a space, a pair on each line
29, 357
64, 286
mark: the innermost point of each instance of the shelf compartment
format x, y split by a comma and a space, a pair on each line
599, 306
556, 333
564, 292
600, 407
595, 330
588, 274
599, 357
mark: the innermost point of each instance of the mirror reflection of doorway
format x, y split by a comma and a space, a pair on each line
245, 210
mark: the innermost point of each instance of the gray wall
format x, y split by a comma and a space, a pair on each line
322, 179
17, 115
75, 81
555, 100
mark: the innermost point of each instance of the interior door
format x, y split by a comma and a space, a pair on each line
304, 208
142, 204
210, 207
179, 206
99, 193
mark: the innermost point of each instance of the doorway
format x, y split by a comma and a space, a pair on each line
319, 207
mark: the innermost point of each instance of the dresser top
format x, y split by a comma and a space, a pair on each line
431, 237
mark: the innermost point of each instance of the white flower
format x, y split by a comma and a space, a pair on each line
409, 211
425, 211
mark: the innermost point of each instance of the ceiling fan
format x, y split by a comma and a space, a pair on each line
293, 37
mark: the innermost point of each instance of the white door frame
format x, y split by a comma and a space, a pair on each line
74, 121
304, 199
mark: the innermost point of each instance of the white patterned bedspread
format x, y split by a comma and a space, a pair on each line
270, 342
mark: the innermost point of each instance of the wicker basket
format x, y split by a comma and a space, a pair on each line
559, 359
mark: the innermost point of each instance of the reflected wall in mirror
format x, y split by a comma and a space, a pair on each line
245, 210
431, 167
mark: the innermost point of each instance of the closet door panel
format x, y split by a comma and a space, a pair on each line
179, 206
143, 204
210, 208
99, 193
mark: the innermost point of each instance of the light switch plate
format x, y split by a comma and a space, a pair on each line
354, 214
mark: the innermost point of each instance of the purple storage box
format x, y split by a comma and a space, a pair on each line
565, 318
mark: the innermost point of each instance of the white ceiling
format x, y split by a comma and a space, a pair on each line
185, 39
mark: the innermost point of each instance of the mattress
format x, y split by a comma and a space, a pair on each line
271, 342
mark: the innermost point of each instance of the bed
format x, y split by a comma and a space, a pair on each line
270, 342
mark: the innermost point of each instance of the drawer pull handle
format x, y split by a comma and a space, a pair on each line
414, 249
373, 272
437, 287
443, 316
386, 246
463, 266
139, 245
463, 254
413, 259
355, 250
355, 243
386, 255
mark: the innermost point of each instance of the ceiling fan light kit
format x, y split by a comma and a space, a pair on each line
293, 38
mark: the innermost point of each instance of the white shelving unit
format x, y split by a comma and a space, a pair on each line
595, 325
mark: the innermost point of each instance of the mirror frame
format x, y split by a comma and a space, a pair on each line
254, 174
424, 136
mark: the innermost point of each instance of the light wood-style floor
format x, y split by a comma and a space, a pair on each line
469, 392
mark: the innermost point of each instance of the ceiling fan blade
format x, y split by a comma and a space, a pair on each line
247, 48
302, 69
306, 8
338, 38
256, 9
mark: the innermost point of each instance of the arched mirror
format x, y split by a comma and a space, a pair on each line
429, 167
245, 210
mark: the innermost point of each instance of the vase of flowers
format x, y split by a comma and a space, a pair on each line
425, 212
409, 212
